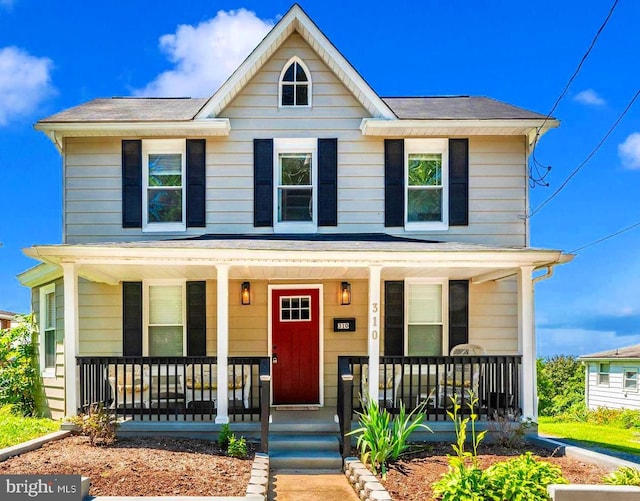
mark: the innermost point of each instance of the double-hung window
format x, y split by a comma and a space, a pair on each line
163, 194
630, 382
425, 318
48, 330
603, 373
295, 193
165, 311
426, 170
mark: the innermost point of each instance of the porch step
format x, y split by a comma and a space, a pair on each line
304, 443
307, 451
326, 461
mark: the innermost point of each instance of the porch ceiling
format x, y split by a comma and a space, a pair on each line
283, 258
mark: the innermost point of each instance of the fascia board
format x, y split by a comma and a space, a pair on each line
376, 126
40, 274
208, 127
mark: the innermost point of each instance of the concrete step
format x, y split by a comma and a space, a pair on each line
282, 442
302, 427
305, 460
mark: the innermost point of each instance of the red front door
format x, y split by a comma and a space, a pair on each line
295, 346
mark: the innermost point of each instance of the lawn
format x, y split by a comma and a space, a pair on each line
625, 440
16, 429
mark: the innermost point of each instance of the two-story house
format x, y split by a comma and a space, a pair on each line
295, 224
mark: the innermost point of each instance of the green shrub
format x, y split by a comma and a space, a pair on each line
382, 439
560, 385
18, 367
98, 424
237, 447
524, 478
603, 415
224, 435
464, 479
624, 475
629, 418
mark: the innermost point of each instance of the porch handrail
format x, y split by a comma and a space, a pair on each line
489, 382
153, 387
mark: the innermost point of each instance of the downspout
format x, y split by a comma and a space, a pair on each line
548, 274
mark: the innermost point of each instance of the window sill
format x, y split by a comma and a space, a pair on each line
48, 374
164, 228
436, 226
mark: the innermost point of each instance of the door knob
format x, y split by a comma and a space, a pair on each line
274, 358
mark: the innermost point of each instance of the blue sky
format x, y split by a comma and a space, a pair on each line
54, 55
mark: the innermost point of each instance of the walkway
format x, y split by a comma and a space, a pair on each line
317, 487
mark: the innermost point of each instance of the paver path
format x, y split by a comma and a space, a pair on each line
301, 487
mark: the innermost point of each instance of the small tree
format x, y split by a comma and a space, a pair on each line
18, 366
560, 385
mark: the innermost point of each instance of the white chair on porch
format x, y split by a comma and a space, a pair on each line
200, 383
461, 379
390, 377
129, 386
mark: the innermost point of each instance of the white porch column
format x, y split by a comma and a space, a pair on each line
527, 343
222, 351
374, 331
71, 339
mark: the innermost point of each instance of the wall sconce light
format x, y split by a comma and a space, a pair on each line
245, 293
345, 293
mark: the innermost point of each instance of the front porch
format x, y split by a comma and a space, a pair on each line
187, 389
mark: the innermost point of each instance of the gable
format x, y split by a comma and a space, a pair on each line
296, 20
259, 98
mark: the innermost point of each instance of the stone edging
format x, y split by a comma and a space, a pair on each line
258, 487
31, 445
366, 485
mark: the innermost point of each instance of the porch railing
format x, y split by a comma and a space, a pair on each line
163, 388
490, 382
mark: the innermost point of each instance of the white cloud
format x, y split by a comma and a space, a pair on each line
561, 341
629, 151
590, 97
25, 82
204, 56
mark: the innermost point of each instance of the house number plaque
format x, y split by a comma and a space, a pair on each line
344, 325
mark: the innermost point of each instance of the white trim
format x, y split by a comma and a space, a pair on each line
374, 331
309, 84
40, 274
145, 310
71, 339
169, 146
222, 342
295, 145
431, 145
46, 372
527, 343
444, 303
296, 20
450, 127
320, 288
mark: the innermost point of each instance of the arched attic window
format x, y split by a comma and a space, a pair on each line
295, 84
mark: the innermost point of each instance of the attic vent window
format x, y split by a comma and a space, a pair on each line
295, 84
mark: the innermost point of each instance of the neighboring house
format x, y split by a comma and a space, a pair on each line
292, 218
612, 378
8, 319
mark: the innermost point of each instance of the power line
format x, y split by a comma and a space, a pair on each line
589, 156
606, 238
539, 180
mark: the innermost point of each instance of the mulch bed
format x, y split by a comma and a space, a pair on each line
410, 479
141, 466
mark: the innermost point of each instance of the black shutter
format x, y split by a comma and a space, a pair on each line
132, 183
328, 182
196, 319
132, 319
394, 318
262, 182
458, 182
393, 182
196, 182
458, 312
